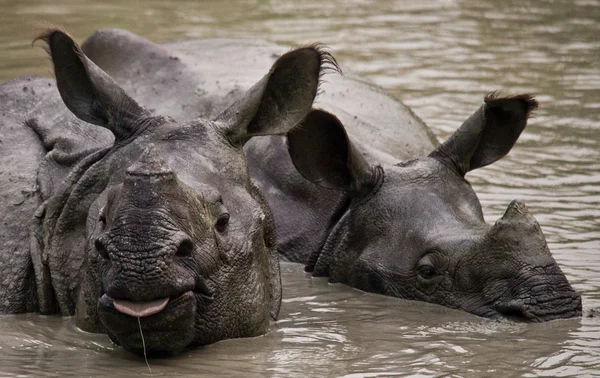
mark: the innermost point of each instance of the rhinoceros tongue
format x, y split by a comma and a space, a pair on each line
140, 309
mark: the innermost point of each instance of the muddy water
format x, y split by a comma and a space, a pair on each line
440, 57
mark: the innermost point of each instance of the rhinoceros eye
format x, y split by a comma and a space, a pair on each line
222, 222
427, 272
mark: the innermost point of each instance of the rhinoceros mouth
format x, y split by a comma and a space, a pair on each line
537, 311
143, 309
167, 323
139, 309
121, 316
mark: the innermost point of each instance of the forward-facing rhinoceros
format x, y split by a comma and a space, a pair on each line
120, 215
392, 214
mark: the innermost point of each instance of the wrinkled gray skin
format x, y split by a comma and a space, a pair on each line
413, 229
383, 223
111, 214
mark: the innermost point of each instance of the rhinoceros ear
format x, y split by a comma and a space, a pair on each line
322, 152
280, 99
489, 134
88, 92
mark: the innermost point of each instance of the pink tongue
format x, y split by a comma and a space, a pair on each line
140, 309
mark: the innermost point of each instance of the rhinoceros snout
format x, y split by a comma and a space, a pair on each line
554, 305
180, 246
146, 264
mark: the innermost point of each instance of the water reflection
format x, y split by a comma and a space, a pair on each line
440, 57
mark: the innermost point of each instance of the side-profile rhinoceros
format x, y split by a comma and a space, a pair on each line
390, 212
125, 218
413, 229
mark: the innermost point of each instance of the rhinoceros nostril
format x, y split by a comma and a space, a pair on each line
512, 310
185, 248
101, 248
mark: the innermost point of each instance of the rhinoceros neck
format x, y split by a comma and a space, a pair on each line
333, 251
320, 259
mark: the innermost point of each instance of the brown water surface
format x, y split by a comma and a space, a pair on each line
439, 57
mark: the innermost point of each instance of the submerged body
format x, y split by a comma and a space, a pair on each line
125, 218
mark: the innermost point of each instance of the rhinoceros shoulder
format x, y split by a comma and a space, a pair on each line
40, 142
20, 154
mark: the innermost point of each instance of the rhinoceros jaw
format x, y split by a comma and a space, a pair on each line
140, 309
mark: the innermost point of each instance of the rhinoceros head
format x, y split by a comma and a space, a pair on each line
177, 236
415, 230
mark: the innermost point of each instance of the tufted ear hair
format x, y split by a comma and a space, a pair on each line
281, 99
489, 134
322, 152
87, 91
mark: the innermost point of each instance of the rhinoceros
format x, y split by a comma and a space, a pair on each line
381, 207
412, 228
132, 221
